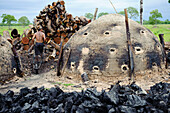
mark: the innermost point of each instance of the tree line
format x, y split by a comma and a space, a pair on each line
9, 20
133, 14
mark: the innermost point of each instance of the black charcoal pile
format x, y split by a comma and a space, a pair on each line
120, 99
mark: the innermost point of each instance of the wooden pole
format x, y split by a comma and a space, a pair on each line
163, 45
95, 14
113, 6
60, 56
130, 49
66, 62
141, 12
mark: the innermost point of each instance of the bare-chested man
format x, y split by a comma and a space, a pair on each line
40, 38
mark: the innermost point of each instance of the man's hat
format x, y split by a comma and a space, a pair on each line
14, 33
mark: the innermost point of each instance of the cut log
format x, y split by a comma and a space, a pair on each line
49, 26
10, 40
26, 32
53, 55
26, 47
15, 41
31, 48
25, 40
82, 19
47, 59
77, 19
61, 2
56, 46
54, 4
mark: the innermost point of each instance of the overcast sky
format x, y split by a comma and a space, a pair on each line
31, 8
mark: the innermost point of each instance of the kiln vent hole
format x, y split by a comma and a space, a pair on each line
106, 33
85, 34
124, 68
96, 68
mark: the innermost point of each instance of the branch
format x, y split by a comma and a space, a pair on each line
113, 6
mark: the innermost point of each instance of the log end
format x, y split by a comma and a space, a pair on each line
25, 40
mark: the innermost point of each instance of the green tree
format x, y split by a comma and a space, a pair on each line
169, 1
153, 19
102, 13
122, 13
89, 16
132, 12
8, 19
167, 21
23, 21
145, 22
3, 15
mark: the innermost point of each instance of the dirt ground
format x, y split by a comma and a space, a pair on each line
69, 83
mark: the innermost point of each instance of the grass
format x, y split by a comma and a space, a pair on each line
19, 28
156, 29
59, 83
68, 85
160, 29
64, 84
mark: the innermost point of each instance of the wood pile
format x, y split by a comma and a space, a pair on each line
56, 22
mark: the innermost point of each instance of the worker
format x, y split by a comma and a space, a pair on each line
39, 39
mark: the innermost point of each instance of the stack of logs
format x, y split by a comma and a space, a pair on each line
55, 22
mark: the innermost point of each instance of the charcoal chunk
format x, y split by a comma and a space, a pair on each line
35, 105
112, 110
160, 88
137, 89
9, 93
53, 103
109, 107
91, 94
60, 108
140, 110
8, 100
16, 109
80, 109
111, 97
24, 91
68, 105
55, 91
73, 109
135, 101
127, 109
34, 89
26, 107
